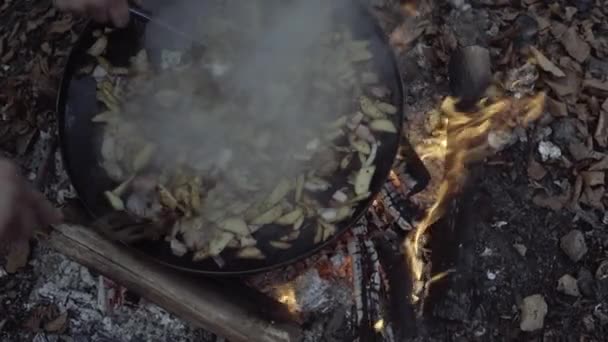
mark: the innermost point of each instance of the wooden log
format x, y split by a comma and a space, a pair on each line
198, 301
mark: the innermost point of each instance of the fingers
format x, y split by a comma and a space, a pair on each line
22, 210
103, 11
45, 213
119, 13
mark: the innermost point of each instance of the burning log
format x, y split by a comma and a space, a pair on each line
201, 302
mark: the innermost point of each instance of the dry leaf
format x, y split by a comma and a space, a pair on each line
600, 165
546, 64
577, 190
39, 315
555, 203
558, 29
605, 105
61, 26
57, 325
535, 170
596, 84
593, 178
593, 197
556, 108
569, 12
17, 256
582, 112
579, 151
575, 45
601, 131
566, 85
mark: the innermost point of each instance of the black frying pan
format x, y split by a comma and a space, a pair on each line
80, 142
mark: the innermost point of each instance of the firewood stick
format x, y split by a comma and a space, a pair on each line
199, 302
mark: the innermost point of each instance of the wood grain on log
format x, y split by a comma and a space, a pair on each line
198, 301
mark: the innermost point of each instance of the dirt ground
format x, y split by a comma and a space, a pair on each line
517, 207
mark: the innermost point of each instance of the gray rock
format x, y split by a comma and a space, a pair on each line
533, 312
567, 285
573, 244
586, 283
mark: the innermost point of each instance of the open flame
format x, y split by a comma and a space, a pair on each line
466, 138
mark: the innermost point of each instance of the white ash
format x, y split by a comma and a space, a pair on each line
499, 140
72, 287
549, 151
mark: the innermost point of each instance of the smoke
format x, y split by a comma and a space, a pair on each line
250, 101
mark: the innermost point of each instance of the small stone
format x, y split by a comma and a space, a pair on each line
567, 284
549, 151
586, 283
533, 312
573, 244
602, 271
491, 275
521, 249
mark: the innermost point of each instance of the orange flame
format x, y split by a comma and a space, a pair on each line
467, 141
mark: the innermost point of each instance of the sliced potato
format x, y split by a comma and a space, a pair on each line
250, 253
291, 217
386, 108
328, 230
359, 145
123, 187
115, 201
280, 244
107, 117
278, 193
235, 225
364, 179
247, 241
219, 243
99, 47
299, 187
318, 233
269, 216
369, 108
383, 126
143, 157
178, 248
166, 198
298, 224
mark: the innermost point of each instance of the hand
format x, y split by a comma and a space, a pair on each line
22, 209
103, 11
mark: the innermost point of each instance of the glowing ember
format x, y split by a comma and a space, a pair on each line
466, 138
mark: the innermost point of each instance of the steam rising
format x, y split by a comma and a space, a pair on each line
252, 102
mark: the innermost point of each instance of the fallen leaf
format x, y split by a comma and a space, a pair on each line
61, 26
546, 64
601, 131
577, 190
600, 165
569, 12
39, 316
556, 108
566, 85
582, 112
605, 105
575, 45
594, 106
57, 325
593, 197
554, 203
535, 170
17, 256
596, 84
558, 29
593, 178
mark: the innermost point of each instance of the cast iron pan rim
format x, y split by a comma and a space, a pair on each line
60, 113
